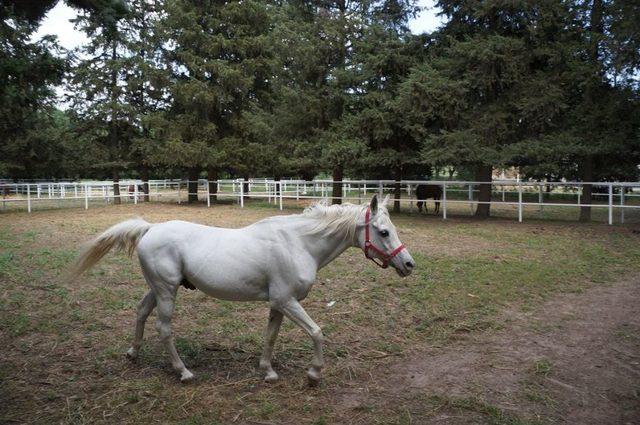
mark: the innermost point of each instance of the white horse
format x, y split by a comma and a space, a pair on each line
274, 260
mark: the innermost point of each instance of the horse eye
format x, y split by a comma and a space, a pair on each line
384, 233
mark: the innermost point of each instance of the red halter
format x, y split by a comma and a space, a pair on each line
384, 257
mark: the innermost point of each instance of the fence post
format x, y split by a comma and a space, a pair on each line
622, 189
444, 201
39, 190
179, 189
241, 193
380, 190
297, 191
610, 204
135, 193
520, 201
540, 199
579, 194
281, 192
208, 195
28, 198
86, 197
471, 198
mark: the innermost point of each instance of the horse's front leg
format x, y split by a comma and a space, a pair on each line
270, 335
294, 311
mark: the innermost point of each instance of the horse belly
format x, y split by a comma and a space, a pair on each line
231, 283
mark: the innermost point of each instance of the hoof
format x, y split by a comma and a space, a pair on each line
186, 376
271, 377
132, 353
313, 377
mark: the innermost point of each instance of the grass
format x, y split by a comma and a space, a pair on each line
64, 342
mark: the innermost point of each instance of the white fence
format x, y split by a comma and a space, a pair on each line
614, 197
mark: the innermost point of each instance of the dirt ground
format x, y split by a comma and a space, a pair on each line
575, 360
502, 323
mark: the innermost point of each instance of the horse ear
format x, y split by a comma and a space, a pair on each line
374, 205
385, 201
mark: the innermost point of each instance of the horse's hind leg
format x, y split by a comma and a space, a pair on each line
165, 298
164, 278
270, 335
437, 202
145, 308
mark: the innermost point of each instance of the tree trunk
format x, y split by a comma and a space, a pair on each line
586, 198
144, 176
483, 174
245, 189
114, 139
307, 175
336, 193
591, 98
192, 185
212, 176
397, 190
116, 187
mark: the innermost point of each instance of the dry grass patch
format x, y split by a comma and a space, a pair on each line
64, 342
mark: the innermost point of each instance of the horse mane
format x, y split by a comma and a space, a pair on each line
336, 218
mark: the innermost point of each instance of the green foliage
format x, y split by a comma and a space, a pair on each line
301, 88
27, 71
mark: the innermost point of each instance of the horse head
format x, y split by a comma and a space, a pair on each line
380, 241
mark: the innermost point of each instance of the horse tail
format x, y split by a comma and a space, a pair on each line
122, 236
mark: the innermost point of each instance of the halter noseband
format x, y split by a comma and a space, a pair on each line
385, 258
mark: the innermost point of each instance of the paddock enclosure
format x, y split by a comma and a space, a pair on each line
612, 202
501, 322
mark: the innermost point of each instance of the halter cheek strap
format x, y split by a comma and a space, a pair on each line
383, 258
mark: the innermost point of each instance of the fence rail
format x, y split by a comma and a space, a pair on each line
615, 197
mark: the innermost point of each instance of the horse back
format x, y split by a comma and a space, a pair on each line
426, 191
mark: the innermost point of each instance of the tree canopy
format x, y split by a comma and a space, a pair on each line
341, 88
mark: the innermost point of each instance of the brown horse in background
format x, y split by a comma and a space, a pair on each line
426, 191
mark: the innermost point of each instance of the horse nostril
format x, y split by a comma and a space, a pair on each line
409, 264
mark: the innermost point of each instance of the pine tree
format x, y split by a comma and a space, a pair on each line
490, 87
146, 82
217, 60
99, 92
27, 70
384, 55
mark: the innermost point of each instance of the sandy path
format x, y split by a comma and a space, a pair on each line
575, 360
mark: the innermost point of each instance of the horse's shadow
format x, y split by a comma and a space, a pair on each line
212, 360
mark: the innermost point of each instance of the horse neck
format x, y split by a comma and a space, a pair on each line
325, 246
